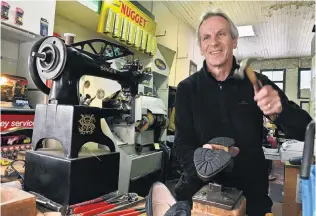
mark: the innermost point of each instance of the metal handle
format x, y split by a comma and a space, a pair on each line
308, 150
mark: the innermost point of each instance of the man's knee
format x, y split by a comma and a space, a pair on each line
258, 205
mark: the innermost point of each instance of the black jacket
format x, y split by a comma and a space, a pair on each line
206, 108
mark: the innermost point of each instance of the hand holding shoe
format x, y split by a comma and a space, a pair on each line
222, 143
233, 150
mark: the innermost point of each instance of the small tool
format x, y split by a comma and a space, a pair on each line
135, 213
108, 201
99, 199
126, 206
129, 211
245, 68
128, 199
50, 204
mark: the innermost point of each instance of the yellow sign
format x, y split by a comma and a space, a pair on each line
128, 10
122, 20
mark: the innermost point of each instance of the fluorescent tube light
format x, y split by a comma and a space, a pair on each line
246, 31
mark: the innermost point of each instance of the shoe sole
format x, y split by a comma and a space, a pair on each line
209, 162
224, 141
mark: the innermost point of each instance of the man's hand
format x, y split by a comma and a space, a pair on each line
233, 150
268, 100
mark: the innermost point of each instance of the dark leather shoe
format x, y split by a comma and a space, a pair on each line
209, 162
159, 200
228, 144
181, 208
226, 141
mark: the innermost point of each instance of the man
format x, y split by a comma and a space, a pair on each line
212, 103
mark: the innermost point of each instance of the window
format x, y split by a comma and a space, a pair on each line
305, 105
304, 83
193, 68
277, 76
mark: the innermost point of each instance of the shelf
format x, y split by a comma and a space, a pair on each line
17, 35
14, 110
16, 147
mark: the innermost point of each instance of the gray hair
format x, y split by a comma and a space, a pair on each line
217, 12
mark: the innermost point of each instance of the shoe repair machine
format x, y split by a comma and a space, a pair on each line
69, 176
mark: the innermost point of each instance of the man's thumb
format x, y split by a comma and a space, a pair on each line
256, 87
208, 146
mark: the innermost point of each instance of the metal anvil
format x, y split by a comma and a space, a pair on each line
216, 195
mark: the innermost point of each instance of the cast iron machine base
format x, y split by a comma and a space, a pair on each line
66, 175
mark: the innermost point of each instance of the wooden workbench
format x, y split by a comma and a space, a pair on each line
292, 204
198, 209
205, 210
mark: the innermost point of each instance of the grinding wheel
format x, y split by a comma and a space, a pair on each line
210, 162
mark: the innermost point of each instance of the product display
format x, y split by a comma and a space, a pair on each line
16, 131
109, 26
154, 46
149, 44
131, 34
14, 91
144, 41
11, 152
118, 26
18, 16
138, 38
125, 30
125, 22
44, 27
5, 10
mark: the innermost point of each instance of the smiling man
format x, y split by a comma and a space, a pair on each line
212, 103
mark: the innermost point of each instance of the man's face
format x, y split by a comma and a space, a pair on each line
216, 42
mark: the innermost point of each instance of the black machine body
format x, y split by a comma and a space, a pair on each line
52, 59
58, 174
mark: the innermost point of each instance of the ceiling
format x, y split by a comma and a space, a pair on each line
283, 28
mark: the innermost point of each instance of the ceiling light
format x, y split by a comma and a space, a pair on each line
246, 31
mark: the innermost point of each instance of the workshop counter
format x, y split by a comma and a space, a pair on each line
292, 203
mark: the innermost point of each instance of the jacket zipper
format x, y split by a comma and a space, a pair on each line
223, 111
